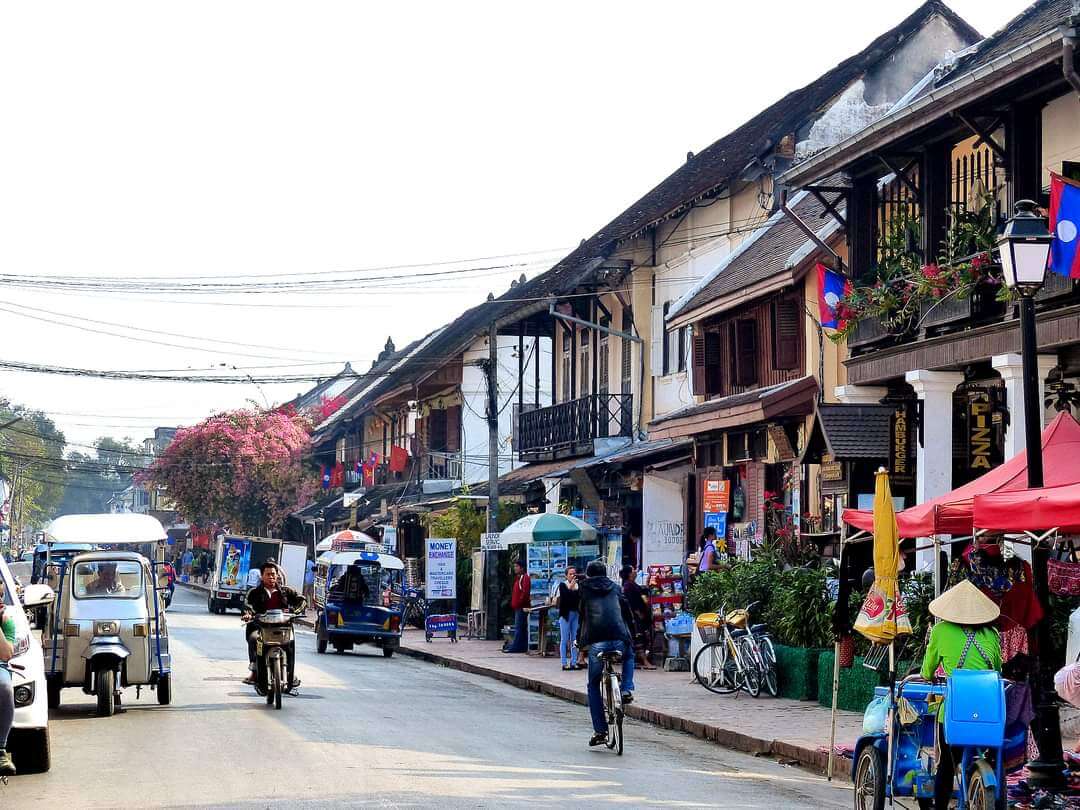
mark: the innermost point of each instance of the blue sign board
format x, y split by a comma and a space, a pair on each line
718, 520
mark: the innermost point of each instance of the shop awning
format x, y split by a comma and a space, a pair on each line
1032, 510
953, 513
795, 398
850, 433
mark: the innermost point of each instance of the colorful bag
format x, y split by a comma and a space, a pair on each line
1063, 578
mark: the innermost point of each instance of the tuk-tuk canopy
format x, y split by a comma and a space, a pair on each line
387, 561
125, 528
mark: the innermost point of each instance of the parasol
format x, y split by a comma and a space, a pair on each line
545, 527
882, 617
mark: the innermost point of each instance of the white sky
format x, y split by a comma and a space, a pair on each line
226, 138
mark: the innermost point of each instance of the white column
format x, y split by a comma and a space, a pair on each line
1047, 363
1011, 369
933, 474
860, 394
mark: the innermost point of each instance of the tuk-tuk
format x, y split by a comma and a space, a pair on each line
56, 553
107, 629
358, 600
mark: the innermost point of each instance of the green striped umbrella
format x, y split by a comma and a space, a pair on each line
547, 527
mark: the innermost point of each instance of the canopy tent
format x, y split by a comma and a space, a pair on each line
953, 512
1035, 510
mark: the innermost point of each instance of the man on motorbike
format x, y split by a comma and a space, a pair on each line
606, 625
269, 595
7, 694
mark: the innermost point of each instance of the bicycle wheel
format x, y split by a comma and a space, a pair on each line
768, 662
751, 669
714, 668
613, 709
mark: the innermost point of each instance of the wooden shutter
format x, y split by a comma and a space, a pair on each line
714, 363
786, 332
437, 426
698, 362
453, 429
746, 350
656, 342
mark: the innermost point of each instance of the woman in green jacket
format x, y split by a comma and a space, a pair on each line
963, 638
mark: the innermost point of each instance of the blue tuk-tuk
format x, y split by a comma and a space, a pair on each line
359, 599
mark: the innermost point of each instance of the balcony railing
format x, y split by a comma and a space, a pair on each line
443, 466
572, 428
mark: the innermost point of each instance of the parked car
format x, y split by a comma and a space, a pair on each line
29, 741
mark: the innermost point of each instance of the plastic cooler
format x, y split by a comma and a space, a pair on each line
975, 708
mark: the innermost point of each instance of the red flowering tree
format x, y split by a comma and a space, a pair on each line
244, 468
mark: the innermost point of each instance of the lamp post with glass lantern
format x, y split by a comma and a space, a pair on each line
1024, 246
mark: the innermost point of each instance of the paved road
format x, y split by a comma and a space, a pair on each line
367, 731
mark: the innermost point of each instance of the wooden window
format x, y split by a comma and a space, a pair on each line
627, 344
707, 362
437, 426
666, 348
744, 354
786, 319
453, 429
697, 380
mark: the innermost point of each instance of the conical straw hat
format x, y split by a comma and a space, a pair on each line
963, 603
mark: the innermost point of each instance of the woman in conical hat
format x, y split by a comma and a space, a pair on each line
963, 638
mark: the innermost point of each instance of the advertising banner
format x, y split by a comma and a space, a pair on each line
235, 561
664, 535
716, 496
441, 574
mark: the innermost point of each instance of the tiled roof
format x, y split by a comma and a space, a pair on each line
757, 395
856, 431
1036, 19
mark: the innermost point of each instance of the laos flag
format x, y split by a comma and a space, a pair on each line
1064, 222
324, 474
832, 286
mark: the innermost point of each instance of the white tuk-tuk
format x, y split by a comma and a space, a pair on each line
106, 629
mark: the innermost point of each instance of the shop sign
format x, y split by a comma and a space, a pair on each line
389, 538
900, 466
441, 576
980, 431
716, 496
831, 470
492, 541
718, 521
664, 533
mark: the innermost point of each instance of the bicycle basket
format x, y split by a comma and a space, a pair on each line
708, 627
738, 618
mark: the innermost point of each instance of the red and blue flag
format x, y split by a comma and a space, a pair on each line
1064, 224
832, 287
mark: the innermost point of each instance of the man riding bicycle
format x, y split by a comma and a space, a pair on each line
606, 626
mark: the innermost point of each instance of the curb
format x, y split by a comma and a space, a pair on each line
785, 752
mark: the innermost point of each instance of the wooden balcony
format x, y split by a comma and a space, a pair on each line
571, 428
954, 312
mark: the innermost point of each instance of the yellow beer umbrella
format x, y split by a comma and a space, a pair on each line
882, 616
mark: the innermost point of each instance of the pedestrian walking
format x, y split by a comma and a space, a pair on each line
185, 563
567, 603
309, 580
520, 598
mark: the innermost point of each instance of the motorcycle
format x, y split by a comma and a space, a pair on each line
275, 634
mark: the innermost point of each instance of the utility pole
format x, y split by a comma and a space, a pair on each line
491, 558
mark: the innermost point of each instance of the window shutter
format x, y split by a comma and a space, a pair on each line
786, 333
714, 363
746, 336
656, 341
698, 362
453, 429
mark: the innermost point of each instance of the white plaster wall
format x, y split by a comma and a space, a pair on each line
1060, 134
474, 430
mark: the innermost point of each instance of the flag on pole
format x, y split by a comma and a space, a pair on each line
832, 286
325, 475
1064, 222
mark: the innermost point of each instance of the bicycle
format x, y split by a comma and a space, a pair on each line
727, 663
760, 647
611, 692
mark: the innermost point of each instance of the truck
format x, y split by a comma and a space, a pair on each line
236, 555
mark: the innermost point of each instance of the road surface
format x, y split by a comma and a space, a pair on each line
373, 732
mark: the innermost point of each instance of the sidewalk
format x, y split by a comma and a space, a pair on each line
790, 730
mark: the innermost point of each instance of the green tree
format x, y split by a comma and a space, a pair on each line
31, 459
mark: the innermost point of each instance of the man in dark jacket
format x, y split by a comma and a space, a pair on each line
606, 625
269, 595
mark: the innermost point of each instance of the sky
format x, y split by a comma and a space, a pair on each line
230, 140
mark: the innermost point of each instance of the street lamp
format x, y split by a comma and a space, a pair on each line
1025, 247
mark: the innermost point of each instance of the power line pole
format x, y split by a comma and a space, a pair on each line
491, 558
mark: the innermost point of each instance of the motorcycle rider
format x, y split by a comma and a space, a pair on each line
606, 625
7, 694
269, 595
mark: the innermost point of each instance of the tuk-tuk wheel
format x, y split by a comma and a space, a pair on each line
870, 779
980, 794
106, 692
164, 690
